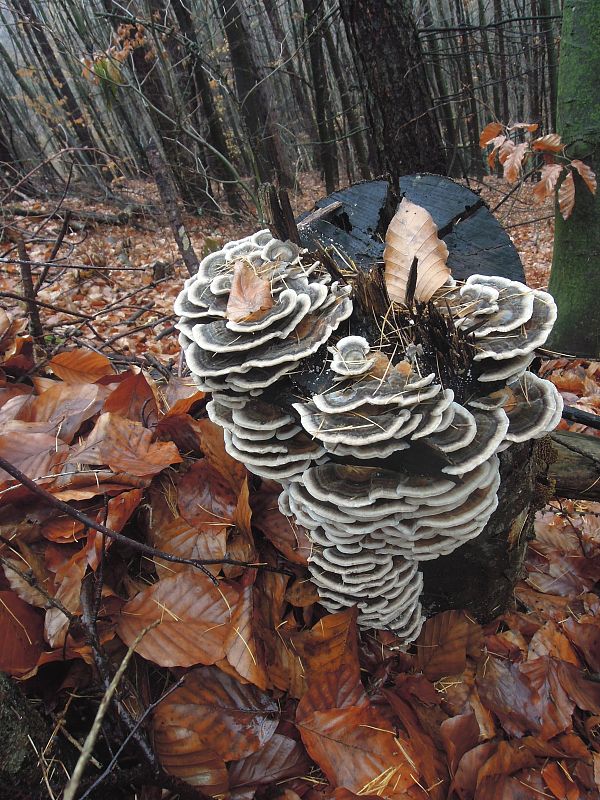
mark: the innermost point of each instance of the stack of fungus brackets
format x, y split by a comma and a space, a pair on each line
388, 461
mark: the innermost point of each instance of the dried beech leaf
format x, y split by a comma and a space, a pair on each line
181, 539
21, 633
329, 653
213, 447
411, 234
491, 131
566, 196
80, 366
68, 578
496, 144
232, 719
279, 759
587, 173
205, 497
125, 446
250, 295
194, 615
134, 399
283, 532
187, 756
38, 455
550, 143
357, 748
425, 753
244, 648
444, 642
66, 406
459, 735
512, 161
528, 126
528, 697
550, 174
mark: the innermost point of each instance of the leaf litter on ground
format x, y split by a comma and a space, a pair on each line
278, 697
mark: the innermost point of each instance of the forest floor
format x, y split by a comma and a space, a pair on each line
288, 701
106, 270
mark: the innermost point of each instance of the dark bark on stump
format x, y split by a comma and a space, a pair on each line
480, 576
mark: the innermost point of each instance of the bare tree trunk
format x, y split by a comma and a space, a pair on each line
327, 147
264, 140
348, 107
384, 41
222, 167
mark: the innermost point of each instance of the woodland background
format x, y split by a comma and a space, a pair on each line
246, 688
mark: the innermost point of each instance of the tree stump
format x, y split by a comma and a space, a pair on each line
480, 576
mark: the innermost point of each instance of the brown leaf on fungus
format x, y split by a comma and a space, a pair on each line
566, 196
550, 173
80, 366
125, 446
491, 131
587, 173
194, 616
21, 632
412, 234
550, 143
231, 719
250, 296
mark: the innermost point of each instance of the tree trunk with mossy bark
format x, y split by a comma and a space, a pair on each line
576, 263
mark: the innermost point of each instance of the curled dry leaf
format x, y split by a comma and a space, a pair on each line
231, 719
134, 399
194, 616
566, 196
250, 295
125, 446
80, 366
490, 132
512, 160
496, 143
412, 234
587, 173
550, 143
550, 174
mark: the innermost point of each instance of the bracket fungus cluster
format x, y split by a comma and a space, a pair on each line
383, 426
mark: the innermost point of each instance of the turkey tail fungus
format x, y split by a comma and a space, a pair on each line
405, 432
